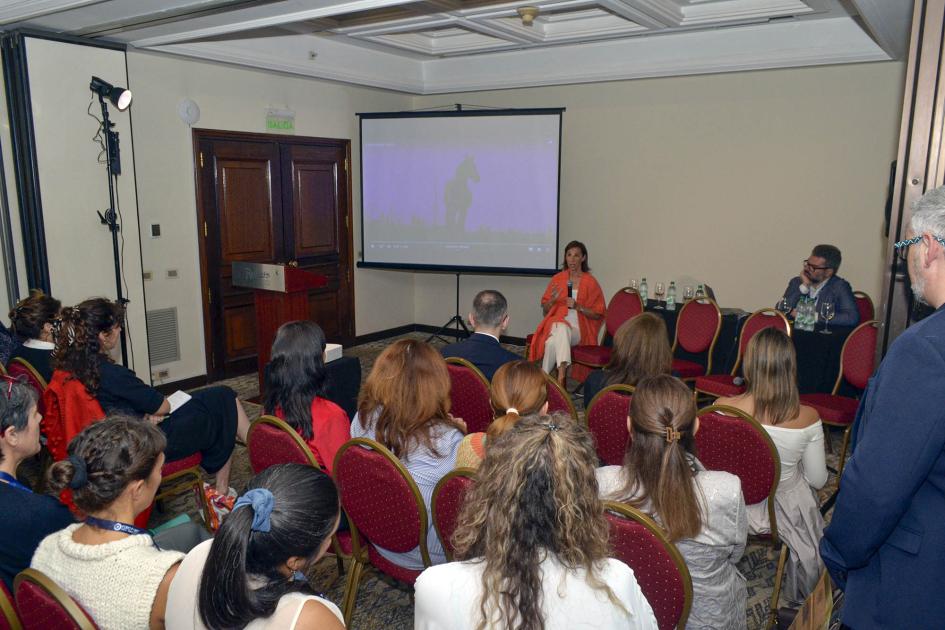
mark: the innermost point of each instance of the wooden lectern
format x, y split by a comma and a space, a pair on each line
281, 295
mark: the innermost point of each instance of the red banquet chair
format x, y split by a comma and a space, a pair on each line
717, 385
625, 304
271, 441
697, 330
731, 440
384, 508
21, 368
857, 362
9, 620
637, 541
448, 497
469, 395
607, 422
559, 401
43, 604
864, 304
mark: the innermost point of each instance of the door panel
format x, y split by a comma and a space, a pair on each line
245, 209
315, 209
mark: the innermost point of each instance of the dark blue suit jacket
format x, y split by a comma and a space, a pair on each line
886, 539
482, 351
837, 291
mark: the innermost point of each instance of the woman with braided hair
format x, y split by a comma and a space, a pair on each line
32, 320
533, 543
208, 423
702, 511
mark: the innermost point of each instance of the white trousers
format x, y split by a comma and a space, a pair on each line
558, 346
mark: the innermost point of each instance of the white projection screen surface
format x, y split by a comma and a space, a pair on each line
461, 191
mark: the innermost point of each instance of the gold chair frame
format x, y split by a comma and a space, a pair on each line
603, 329
550, 382
619, 388
715, 337
466, 364
469, 473
79, 616
32, 371
8, 610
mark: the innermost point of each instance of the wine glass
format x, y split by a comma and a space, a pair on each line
659, 292
688, 292
633, 284
827, 311
783, 306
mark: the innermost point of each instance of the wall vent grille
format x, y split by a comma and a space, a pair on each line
163, 338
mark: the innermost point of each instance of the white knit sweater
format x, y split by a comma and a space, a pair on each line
115, 582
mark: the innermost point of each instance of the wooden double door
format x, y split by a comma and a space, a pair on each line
271, 199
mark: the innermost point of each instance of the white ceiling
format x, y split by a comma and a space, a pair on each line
436, 46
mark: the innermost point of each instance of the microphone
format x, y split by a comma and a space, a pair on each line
570, 288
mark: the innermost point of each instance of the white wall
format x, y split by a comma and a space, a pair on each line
74, 185
235, 99
726, 179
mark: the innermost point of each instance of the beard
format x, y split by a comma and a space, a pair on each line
918, 283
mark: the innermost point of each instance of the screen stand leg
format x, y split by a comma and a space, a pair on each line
455, 319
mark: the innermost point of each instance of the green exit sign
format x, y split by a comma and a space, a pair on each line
280, 121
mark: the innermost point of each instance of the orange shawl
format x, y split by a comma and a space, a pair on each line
590, 296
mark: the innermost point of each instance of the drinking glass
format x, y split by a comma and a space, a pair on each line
827, 311
633, 284
689, 292
783, 306
659, 292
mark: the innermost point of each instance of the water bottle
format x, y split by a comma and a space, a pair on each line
800, 317
807, 322
671, 297
643, 295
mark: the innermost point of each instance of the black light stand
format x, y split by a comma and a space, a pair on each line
455, 319
110, 218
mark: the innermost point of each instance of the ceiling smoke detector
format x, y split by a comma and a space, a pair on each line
528, 15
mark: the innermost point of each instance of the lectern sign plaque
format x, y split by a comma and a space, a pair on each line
259, 276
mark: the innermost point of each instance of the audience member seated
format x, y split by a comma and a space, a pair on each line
518, 389
818, 281
489, 319
641, 349
771, 397
112, 568
32, 320
533, 542
574, 310
208, 423
25, 518
702, 511
8, 343
252, 574
295, 386
405, 405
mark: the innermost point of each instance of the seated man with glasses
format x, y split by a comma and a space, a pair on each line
818, 280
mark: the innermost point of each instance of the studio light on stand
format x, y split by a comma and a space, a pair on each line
121, 99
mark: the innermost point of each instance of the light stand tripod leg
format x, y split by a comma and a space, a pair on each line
457, 319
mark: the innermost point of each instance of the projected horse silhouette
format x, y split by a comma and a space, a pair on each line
457, 197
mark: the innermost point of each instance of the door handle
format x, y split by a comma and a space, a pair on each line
293, 263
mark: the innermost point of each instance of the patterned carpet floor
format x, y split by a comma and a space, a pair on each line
386, 604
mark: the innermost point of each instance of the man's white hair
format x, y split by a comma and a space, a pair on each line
928, 213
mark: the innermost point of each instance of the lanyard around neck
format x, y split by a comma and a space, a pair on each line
10, 480
114, 526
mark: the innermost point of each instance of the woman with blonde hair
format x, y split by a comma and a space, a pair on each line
771, 397
533, 543
641, 348
702, 511
518, 389
405, 405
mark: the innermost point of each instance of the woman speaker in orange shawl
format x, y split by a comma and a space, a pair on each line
574, 310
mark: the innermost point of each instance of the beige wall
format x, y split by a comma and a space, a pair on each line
235, 99
726, 179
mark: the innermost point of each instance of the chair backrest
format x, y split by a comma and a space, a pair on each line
607, 421
731, 440
858, 356
558, 399
625, 304
864, 304
755, 323
380, 497
637, 541
44, 605
8, 617
469, 395
697, 326
272, 441
69, 408
448, 497
21, 367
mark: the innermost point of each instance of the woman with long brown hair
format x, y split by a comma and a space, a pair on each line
518, 389
771, 397
533, 543
641, 348
405, 405
702, 511
32, 319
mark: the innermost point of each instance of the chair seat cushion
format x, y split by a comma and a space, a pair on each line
597, 356
345, 542
181, 464
394, 570
719, 385
832, 409
687, 369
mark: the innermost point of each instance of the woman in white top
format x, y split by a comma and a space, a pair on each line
252, 574
533, 539
112, 568
771, 398
702, 511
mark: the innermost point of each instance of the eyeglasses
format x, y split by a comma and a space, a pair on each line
902, 247
815, 268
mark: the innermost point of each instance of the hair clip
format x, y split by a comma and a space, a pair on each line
672, 435
262, 502
551, 426
512, 410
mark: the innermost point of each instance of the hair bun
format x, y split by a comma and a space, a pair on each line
80, 473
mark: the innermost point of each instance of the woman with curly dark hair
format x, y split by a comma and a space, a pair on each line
208, 423
32, 321
533, 539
